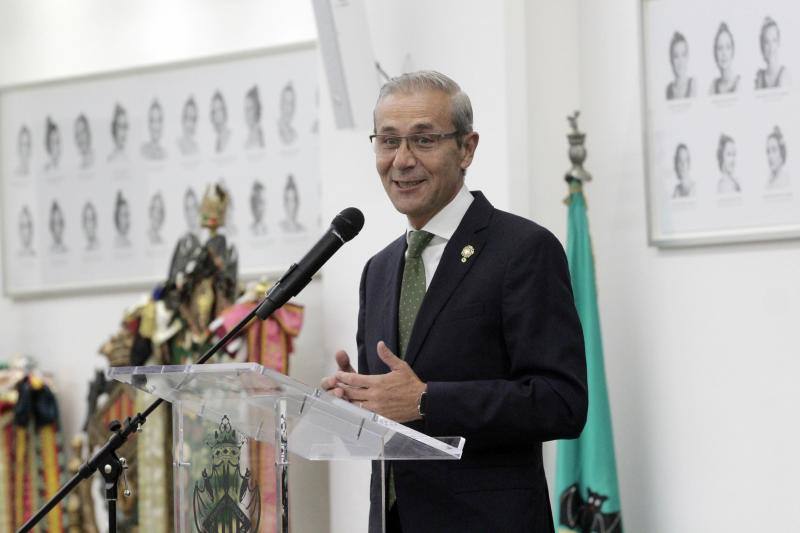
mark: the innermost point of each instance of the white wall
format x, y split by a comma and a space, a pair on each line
43, 40
701, 354
553, 45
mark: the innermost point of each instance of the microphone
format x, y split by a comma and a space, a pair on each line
344, 227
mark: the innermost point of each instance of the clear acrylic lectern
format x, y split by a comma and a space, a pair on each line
222, 410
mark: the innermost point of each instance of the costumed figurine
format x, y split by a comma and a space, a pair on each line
32, 460
202, 278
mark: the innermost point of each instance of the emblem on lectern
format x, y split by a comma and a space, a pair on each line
226, 499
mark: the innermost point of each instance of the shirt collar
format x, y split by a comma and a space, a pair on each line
445, 222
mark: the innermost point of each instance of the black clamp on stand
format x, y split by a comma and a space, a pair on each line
112, 468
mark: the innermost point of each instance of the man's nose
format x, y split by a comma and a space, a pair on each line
404, 157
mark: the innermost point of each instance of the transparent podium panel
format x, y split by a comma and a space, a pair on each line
234, 426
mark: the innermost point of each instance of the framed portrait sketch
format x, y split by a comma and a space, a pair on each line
722, 120
102, 175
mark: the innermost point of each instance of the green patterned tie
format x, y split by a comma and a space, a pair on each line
412, 291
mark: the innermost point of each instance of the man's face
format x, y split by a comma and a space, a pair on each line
189, 119
682, 167
123, 218
54, 144
218, 113
290, 202
155, 122
56, 223
121, 130
250, 111
257, 204
419, 186
82, 135
90, 222
25, 228
191, 209
287, 103
156, 212
24, 141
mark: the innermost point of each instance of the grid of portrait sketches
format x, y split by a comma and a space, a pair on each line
102, 175
723, 118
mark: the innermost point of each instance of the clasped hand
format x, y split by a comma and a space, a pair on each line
394, 395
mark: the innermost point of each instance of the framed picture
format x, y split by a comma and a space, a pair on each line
722, 107
102, 175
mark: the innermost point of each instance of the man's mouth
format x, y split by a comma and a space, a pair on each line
407, 184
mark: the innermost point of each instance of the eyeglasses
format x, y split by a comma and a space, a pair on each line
419, 143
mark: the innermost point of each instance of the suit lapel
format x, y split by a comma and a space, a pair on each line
391, 299
449, 273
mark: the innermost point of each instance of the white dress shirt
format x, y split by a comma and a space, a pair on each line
442, 225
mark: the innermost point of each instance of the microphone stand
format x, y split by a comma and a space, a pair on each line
113, 466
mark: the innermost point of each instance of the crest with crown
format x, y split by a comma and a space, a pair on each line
226, 444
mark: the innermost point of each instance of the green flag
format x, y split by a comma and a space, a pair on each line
586, 471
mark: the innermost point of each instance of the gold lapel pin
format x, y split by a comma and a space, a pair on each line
467, 252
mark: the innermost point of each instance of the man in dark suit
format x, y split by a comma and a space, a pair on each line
466, 326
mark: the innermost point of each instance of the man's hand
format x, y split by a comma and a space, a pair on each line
330, 383
394, 395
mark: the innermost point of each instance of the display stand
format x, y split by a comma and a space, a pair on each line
219, 409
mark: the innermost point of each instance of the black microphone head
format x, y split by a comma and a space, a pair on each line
348, 223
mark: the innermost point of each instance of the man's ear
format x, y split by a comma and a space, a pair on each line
469, 144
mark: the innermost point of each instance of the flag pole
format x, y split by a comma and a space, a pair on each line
586, 473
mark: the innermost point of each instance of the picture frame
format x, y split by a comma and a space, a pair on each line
102, 174
718, 102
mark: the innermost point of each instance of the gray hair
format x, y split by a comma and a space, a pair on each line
430, 80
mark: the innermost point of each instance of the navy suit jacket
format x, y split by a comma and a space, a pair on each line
499, 344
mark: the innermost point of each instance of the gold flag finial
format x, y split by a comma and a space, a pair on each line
577, 151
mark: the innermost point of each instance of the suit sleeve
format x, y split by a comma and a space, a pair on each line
545, 394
